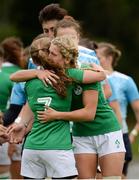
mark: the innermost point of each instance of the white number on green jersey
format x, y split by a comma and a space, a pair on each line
45, 100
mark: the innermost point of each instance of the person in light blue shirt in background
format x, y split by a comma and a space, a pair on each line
113, 101
126, 91
87, 56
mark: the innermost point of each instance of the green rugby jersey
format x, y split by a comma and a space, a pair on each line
5, 90
54, 135
6, 84
105, 120
10, 68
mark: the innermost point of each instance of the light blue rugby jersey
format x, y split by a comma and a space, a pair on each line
31, 65
18, 94
113, 97
126, 92
87, 56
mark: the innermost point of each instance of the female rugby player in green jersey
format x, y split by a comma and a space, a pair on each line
47, 143
99, 140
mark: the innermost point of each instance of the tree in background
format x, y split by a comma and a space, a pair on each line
113, 21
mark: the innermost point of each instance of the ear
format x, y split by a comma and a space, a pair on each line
110, 59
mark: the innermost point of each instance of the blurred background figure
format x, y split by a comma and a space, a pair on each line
126, 91
13, 48
5, 85
12, 62
5, 90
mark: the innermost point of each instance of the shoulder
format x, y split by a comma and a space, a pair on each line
123, 80
120, 76
86, 50
87, 55
34, 82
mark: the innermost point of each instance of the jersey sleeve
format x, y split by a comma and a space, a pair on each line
76, 74
18, 94
131, 90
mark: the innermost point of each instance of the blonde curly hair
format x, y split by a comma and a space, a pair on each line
68, 48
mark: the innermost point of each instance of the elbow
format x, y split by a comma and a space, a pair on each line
90, 117
89, 120
15, 77
12, 77
89, 114
103, 76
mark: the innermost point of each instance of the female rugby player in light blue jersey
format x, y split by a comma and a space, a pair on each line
126, 91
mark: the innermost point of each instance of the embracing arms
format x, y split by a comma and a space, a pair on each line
94, 74
87, 113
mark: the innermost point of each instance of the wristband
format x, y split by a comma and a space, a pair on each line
134, 132
18, 120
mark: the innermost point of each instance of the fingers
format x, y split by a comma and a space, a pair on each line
12, 128
46, 108
52, 79
52, 74
3, 140
42, 116
5, 136
9, 130
40, 112
16, 138
2, 131
47, 77
48, 81
45, 83
2, 128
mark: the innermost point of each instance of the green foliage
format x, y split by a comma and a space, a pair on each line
103, 20
7, 30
